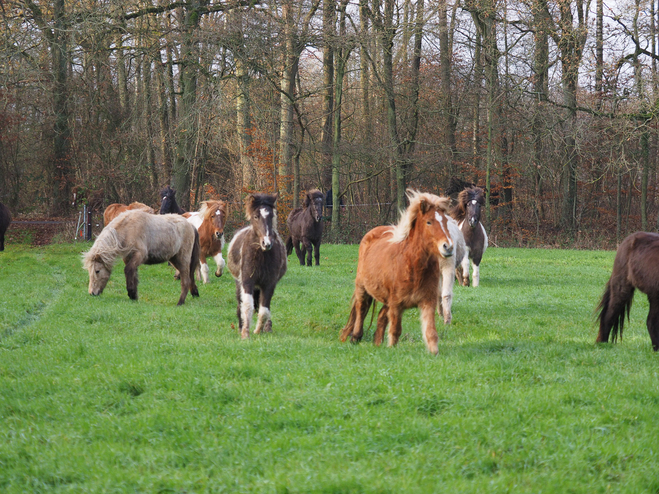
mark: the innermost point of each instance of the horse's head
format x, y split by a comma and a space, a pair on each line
215, 212
99, 273
262, 213
168, 196
473, 200
314, 202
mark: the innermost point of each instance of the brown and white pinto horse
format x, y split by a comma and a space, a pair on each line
402, 266
209, 222
467, 212
636, 266
114, 210
257, 260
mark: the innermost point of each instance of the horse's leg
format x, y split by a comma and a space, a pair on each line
245, 295
130, 271
653, 321
298, 252
185, 275
465, 270
204, 270
447, 281
475, 275
395, 325
308, 246
219, 260
428, 329
383, 319
264, 321
316, 245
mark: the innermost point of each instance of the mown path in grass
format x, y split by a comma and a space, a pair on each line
101, 394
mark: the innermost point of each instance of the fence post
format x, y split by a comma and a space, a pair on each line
88, 233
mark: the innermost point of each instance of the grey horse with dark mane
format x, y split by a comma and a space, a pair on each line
257, 260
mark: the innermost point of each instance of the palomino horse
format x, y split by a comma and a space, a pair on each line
209, 222
142, 238
636, 266
401, 266
467, 212
5, 220
305, 225
257, 260
114, 210
169, 204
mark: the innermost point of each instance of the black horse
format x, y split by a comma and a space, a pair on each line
169, 204
467, 212
257, 261
5, 220
306, 225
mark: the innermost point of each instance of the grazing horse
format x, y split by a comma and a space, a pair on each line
257, 260
142, 238
402, 266
306, 225
467, 212
636, 266
114, 210
5, 220
209, 222
169, 204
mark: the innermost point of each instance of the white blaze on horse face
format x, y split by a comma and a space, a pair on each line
445, 247
474, 202
266, 243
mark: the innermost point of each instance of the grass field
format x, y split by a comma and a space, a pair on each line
102, 394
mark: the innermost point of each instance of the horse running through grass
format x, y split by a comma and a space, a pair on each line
305, 225
142, 238
636, 265
114, 210
257, 260
402, 266
209, 222
467, 212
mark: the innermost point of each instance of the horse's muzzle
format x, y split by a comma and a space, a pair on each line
473, 222
219, 235
266, 244
446, 250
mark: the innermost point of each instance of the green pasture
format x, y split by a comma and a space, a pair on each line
102, 394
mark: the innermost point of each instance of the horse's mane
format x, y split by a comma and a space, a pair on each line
167, 191
459, 211
106, 249
255, 201
312, 194
208, 209
420, 202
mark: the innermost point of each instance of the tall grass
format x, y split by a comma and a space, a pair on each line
103, 394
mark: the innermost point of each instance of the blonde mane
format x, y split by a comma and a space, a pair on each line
417, 199
208, 209
106, 249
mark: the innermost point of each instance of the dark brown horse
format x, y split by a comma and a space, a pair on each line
636, 266
168, 204
306, 226
5, 220
402, 266
142, 238
467, 212
257, 260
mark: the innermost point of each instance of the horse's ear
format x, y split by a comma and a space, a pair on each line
425, 206
307, 200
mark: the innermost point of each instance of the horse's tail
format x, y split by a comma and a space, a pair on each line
350, 325
289, 245
194, 260
348, 329
615, 323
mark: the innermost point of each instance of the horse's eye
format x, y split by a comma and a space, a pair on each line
98, 271
428, 222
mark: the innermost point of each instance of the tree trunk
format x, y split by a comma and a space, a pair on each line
329, 20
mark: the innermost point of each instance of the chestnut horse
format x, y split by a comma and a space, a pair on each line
142, 238
5, 220
114, 210
257, 260
467, 212
209, 222
168, 205
402, 266
306, 226
634, 267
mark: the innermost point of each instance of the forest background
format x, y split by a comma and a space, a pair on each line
550, 105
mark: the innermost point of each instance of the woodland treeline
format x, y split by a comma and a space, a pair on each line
550, 105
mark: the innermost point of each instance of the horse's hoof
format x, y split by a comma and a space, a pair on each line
218, 273
194, 292
267, 328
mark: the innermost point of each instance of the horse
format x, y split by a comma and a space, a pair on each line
636, 265
209, 222
467, 212
5, 220
402, 266
142, 238
257, 260
114, 210
169, 204
306, 226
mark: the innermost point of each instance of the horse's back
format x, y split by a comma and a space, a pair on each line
638, 260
